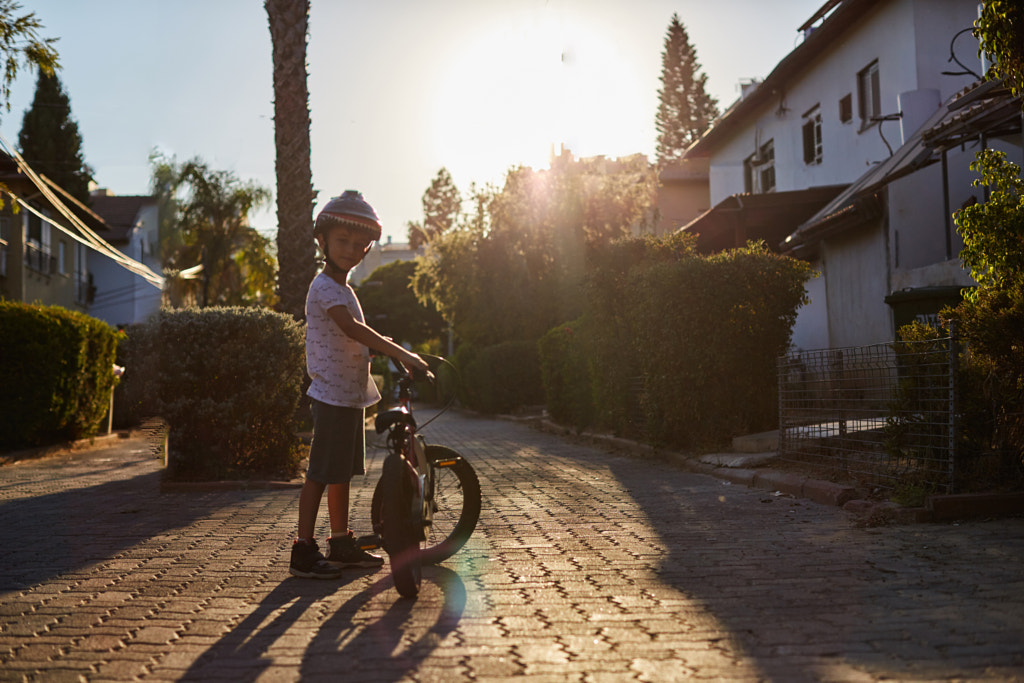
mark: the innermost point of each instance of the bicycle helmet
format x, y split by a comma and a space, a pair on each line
349, 209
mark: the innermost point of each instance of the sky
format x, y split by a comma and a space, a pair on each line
398, 88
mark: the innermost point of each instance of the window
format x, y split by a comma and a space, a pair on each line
868, 94
759, 169
37, 245
62, 265
846, 109
81, 276
812, 135
5, 238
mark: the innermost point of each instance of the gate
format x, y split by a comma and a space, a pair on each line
881, 415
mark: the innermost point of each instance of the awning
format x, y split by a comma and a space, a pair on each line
769, 217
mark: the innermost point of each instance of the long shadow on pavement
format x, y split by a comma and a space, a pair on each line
44, 536
807, 597
370, 636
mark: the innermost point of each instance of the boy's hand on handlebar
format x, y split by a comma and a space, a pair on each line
416, 365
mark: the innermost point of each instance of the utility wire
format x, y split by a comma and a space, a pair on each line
91, 240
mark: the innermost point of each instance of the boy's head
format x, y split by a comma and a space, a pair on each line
346, 228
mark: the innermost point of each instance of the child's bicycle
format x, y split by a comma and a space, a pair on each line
427, 501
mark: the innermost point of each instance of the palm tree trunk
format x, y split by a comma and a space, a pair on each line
296, 252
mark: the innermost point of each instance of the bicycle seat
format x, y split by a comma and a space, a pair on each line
385, 420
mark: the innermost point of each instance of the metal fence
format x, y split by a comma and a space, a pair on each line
880, 415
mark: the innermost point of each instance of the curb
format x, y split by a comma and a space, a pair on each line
937, 508
88, 443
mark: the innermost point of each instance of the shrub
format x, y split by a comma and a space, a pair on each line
687, 344
134, 398
500, 378
565, 362
56, 375
990, 320
228, 381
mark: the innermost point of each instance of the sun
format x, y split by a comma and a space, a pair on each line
520, 90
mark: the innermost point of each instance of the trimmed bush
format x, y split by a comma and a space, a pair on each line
680, 349
228, 381
57, 374
565, 361
500, 378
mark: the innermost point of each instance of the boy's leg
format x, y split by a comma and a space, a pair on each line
343, 549
307, 561
309, 507
337, 508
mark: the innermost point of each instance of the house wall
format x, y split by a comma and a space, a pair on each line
680, 201
855, 264
918, 228
48, 280
810, 331
909, 38
122, 297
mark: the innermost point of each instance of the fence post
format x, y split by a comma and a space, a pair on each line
779, 373
954, 359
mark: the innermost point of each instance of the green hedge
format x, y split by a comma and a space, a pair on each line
565, 358
681, 348
228, 381
56, 374
500, 378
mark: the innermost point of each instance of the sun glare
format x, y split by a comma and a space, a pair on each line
518, 91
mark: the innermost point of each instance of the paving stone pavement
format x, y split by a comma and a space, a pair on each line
586, 566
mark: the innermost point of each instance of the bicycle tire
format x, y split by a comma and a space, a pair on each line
400, 535
457, 504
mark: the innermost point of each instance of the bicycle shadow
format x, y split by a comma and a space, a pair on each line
365, 638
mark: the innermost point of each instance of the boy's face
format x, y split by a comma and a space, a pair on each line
345, 246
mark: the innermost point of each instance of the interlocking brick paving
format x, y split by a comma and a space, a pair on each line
586, 566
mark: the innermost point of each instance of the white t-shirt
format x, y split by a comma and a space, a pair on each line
338, 365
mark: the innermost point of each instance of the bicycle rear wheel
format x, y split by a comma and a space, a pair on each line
401, 528
456, 504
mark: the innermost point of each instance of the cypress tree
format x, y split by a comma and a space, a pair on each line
685, 110
50, 141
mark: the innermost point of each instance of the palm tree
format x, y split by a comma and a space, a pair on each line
296, 252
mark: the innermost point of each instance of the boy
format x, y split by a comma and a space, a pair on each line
338, 361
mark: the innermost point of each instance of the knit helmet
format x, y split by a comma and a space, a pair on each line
349, 209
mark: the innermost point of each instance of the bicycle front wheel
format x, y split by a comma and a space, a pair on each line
401, 529
456, 504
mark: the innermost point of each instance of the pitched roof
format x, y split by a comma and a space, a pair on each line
844, 16
120, 212
768, 216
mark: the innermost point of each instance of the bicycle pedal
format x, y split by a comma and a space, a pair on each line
368, 542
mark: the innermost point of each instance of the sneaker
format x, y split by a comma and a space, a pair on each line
308, 562
344, 552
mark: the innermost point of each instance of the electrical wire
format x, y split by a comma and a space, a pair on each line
91, 239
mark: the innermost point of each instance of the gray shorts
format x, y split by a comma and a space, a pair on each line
338, 450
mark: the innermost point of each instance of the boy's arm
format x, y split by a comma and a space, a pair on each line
367, 336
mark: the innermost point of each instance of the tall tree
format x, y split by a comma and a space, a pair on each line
515, 267
296, 251
50, 141
20, 41
685, 110
389, 303
442, 205
210, 226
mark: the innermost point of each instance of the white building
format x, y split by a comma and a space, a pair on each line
121, 296
867, 75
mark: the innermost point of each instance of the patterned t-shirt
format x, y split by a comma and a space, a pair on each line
338, 365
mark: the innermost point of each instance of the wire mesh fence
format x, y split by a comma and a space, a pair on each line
880, 415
